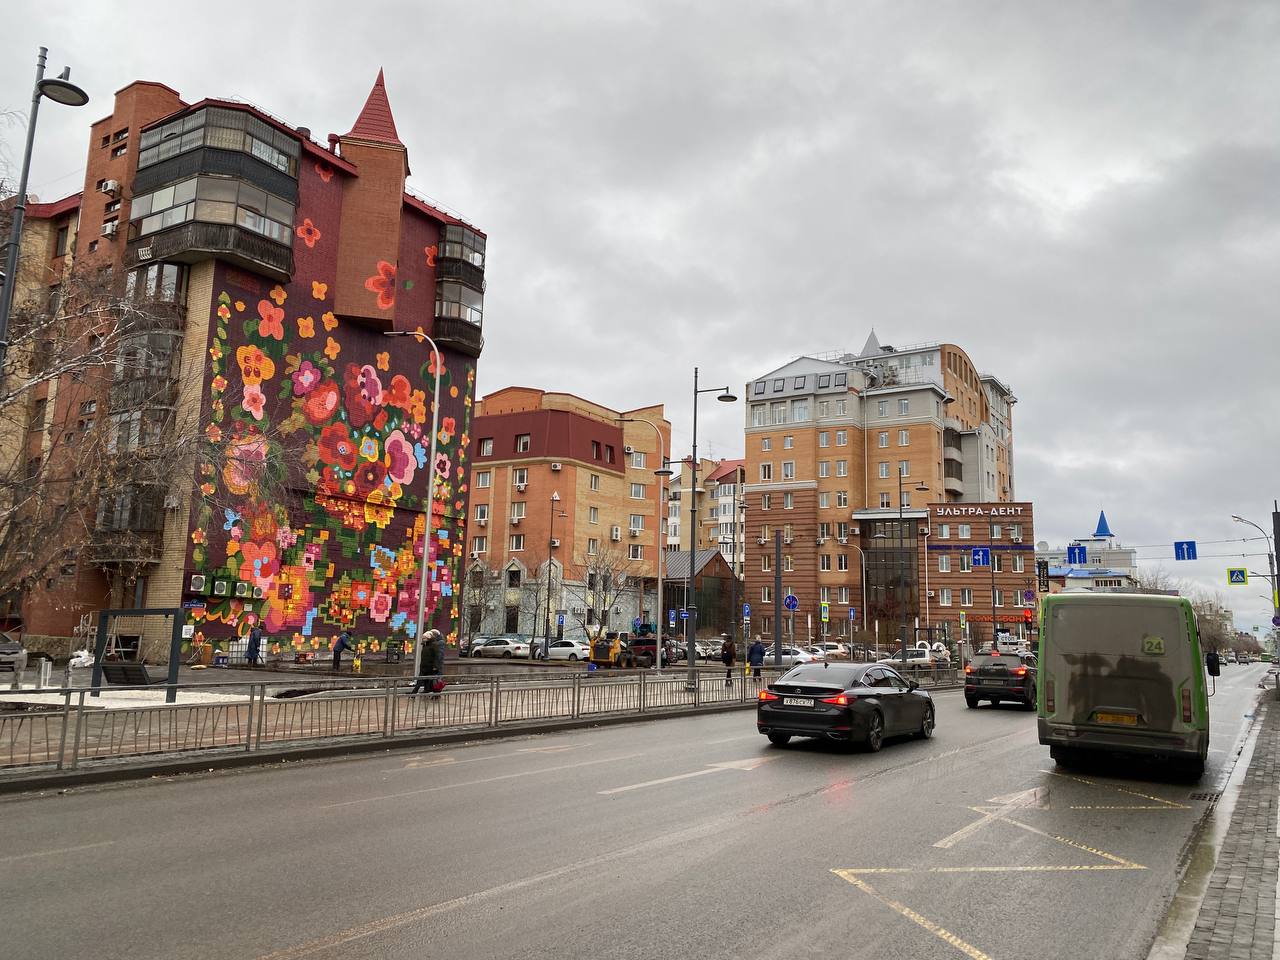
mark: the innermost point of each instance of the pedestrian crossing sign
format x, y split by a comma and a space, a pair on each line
1237, 577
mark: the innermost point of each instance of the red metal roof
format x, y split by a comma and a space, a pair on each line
726, 468
47, 211
375, 122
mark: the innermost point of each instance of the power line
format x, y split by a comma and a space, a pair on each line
1209, 556
1149, 546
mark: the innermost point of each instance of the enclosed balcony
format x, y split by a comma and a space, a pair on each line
953, 476
459, 335
193, 242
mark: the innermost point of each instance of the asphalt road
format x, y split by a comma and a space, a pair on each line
677, 838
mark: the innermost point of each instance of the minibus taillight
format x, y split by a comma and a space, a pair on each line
1186, 705
1048, 697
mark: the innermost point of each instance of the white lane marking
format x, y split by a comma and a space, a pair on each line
749, 764
1035, 797
475, 783
444, 760
54, 853
749, 736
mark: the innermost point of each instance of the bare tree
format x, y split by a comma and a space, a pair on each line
482, 590
1158, 580
599, 583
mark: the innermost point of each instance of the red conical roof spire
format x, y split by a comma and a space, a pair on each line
375, 121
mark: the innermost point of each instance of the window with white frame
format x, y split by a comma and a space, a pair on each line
884, 469
824, 500
883, 439
788, 469
904, 438
904, 468
997, 564
635, 522
788, 564
766, 471
966, 562
484, 479
518, 510
944, 531
799, 410
635, 551
593, 546
842, 468
766, 563
824, 561
519, 476
944, 597
522, 443
1015, 531
759, 415
788, 501
824, 438
966, 597
824, 468
824, 409
639, 459
788, 442
906, 498
996, 530
766, 594
964, 531
904, 406
824, 530
824, 594
843, 595
486, 447
777, 412
841, 405
479, 544
766, 501
593, 514
517, 542
882, 408
842, 498
944, 563
885, 499
842, 561
842, 438
999, 597
766, 444
1018, 563
637, 491
595, 481
482, 511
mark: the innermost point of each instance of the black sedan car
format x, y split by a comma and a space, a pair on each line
850, 702
995, 676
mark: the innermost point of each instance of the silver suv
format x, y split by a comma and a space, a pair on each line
13, 655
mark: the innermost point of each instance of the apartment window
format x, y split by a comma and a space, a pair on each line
1018, 562
608, 453
766, 594
520, 476
824, 409
777, 412
841, 405
1015, 531
766, 501
766, 445
517, 543
759, 414
999, 597
842, 438
788, 564
824, 468
884, 469
788, 443
484, 478
596, 449
798, 383
883, 439
824, 439
522, 443
966, 562
758, 387
635, 551
904, 438
788, 469
996, 531
843, 594
595, 481
637, 491
964, 531
765, 563
593, 514
944, 597
842, 498
842, 561
824, 530
639, 459
486, 447
966, 597
824, 594
944, 563
766, 471
518, 510
824, 500
882, 408
799, 410
842, 468
906, 498
996, 565
904, 468
482, 511
787, 532
885, 502
60, 242
788, 501
593, 546
944, 531
824, 562
779, 385
479, 544
635, 522
904, 406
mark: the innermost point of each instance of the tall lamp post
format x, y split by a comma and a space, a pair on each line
59, 90
431, 491
551, 542
1271, 564
902, 576
691, 629
663, 471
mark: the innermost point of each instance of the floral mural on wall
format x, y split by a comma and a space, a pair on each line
331, 440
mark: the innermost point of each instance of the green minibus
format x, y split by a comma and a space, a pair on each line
1123, 673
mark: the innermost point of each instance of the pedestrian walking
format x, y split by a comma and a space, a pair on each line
431, 671
727, 654
342, 643
755, 657
254, 653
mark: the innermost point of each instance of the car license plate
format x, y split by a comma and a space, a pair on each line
797, 701
1124, 719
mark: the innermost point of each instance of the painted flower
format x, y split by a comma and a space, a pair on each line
197, 535
224, 313
306, 378
215, 352
329, 320
380, 607
246, 459
401, 462
383, 283
255, 366
442, 466
431, 365
239, 306
400, 393
369, 448
259, 563
213, 432
319, 290
332, 348
286, 537
324, 171
337, 447
278, 295
288, 600
449, 425
306, 327
369, 477
358, 389
254, 402
272, 320
371, 385
384, 361
308, 233
207, 489
431, 252
218, 384
321, 403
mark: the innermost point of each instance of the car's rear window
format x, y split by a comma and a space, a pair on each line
817, 673
991, 659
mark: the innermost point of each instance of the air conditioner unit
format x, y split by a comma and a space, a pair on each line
221, 588
821, 540
110, 187
110, 227
515, 521
475, 554
197, 583
844, 541
787, 539
557, 466
930, 593
258, 593
520, 487
579, 610
1017, 538
242, 589
856, 530
615, 533
482, 521
555, 541
635, 531
628, 450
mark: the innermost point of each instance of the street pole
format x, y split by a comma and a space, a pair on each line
62, 91
551, 529
777, 599
991, 550
902, 576
1271, 556
661, 473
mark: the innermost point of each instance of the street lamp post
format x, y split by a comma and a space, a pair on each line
902, 576
1271, 564
691, 628
991, 549
551, 542
431, 491
59, 90
663, 471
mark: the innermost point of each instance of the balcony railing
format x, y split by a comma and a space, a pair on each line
464, 271
195, 241
143, 393
459, 335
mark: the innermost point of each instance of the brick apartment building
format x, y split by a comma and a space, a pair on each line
850, 458
563, 497
274, 266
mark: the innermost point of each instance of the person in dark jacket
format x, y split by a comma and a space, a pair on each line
432, 665
342, 643
727, 655
755, 657
254, 654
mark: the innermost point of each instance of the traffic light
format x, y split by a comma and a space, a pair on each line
1027, 616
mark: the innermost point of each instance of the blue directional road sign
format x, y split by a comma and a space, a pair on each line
559, 619
1184, 549
636, 623
1076, 556
1237, 576
684, 614
790, 601
746, 611
853, 613
982, 556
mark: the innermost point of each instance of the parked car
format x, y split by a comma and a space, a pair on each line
13, 655
1000, 676
817, 651
469, 649
918, 658
791, 656
834, 651
845, 702
645, 651
568, 650
507, 647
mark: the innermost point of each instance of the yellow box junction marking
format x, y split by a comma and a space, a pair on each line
1157, 803
946, 936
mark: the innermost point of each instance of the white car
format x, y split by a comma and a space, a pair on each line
834, 651
915, 658
817, 651
567, 650
790, 656
501, 647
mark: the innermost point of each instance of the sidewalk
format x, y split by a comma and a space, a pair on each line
1237, 920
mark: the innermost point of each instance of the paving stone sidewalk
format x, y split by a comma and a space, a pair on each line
1237, 920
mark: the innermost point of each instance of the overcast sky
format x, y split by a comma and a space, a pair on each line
1086, 197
